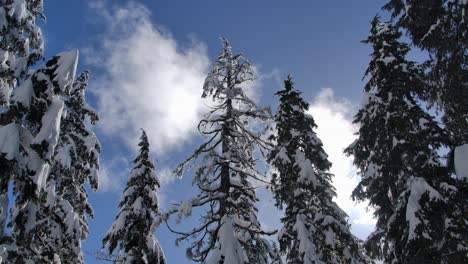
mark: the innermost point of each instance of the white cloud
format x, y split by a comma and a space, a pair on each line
113, 174
106, 183
165, 179
335, 129
147, 80
253, 89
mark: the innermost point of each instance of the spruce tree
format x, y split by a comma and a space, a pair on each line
34, 104
133, 228
396, 153
21, 45
77, 155
441, 28
315, 229
32, 135
224, 168
62, 215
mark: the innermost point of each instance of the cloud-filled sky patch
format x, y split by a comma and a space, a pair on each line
148, 81
336, 130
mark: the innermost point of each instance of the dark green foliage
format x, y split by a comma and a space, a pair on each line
396, 153
315, 229
440, 27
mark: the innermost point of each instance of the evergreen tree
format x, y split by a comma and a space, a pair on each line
21, 43
21, 46
133, 228
62, 217
224, 169
30, 124
30, 140
397, 156
315, 229
77, 155
441, 28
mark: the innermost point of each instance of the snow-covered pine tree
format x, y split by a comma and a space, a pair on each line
441, 28
224, 169
315, 229
21, 46
133, 228
21, 43
77, 155
397, 156
62, 216
30, 140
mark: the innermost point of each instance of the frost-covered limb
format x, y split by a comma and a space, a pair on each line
181, 209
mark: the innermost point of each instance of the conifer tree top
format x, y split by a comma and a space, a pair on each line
133, 228
228, 72
144, 149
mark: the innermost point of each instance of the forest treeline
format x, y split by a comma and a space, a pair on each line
413, 131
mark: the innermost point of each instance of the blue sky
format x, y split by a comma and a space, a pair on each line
148, 60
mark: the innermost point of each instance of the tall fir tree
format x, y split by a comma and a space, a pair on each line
397, 156
30, 140
62, 214
133, 228
76, 162
315, 229
32, 108
225, 167
441, 28
21, 45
